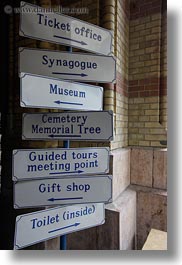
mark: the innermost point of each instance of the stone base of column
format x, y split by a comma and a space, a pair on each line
118, 232
151, 212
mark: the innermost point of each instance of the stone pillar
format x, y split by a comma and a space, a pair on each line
149, 180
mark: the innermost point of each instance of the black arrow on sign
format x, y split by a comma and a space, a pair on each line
70, 103
59, 136
68, 172
62, 199
58, 73
52, 231
81, 42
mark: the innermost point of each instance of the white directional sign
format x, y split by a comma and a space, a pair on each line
70, 66
93, 125
44, 92
61, 29
66, 190
39, 226
52, 163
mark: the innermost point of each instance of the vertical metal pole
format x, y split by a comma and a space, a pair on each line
66, 144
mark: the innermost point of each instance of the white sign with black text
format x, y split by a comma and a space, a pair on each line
67, 190
44, 92
32, 228
86, 125
58, 28
70, 66
51, 163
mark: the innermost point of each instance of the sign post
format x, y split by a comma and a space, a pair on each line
63, 176
66, 144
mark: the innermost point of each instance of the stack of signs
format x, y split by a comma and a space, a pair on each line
75, 177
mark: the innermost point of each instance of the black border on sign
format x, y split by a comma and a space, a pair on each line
110, 112
84, 22
15, 151
58, 207
76, 53
109, 200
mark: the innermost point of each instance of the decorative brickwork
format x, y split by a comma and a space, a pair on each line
115, 16
147, 74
